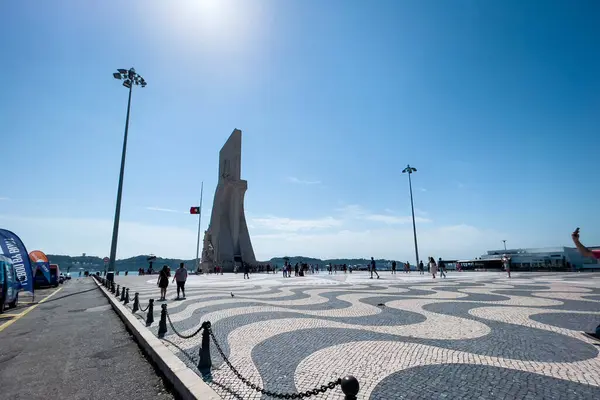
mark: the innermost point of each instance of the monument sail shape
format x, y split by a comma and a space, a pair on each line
227, 241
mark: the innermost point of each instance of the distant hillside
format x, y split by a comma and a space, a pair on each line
93, 263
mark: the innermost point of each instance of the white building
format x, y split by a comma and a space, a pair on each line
547, 258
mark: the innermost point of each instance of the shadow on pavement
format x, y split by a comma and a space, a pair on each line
62, 297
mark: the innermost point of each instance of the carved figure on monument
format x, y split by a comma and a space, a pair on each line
227, 240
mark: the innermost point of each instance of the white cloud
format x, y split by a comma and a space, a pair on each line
422, 189
293, 179
458, 241
293, 225
74, 236
420, 212
163, 209
324, 238
4, 198
354, 211
392, 219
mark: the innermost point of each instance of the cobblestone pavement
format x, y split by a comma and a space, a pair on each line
405, 336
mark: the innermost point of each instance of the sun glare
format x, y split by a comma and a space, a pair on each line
222, 22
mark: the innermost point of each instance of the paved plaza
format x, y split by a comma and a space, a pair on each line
405, 336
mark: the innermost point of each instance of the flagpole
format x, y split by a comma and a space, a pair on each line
199, 225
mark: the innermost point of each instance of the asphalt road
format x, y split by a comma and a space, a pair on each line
73, 346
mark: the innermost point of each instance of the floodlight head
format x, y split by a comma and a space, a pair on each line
122, 71
117, 75
127, 83
131, 73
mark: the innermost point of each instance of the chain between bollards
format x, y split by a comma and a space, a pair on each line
144, 309
349, 384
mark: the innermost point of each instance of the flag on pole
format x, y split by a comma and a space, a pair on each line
194, 210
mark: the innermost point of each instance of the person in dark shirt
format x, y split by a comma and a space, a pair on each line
246, 270
373, 268
163, 282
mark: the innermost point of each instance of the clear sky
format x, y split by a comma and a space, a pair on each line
496, 103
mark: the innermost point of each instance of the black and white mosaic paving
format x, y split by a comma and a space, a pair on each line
473, 335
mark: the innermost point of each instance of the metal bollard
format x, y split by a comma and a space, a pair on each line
126, 297
118, 291
350, 387
112, 287
136, 302
150, 315
122, 294
205, 363
162, 324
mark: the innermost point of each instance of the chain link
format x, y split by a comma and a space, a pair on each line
144, 309
308, 393
179, 334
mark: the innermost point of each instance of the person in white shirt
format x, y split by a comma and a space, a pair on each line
506, 264
180, 277
433, 268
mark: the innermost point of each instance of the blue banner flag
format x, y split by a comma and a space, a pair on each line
45, 267
13, 248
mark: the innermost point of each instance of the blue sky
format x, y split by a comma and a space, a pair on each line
496, 103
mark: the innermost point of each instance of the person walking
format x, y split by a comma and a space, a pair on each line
393, 267
421, 268
373, 268
163, 282
246, 270
442, 266
180, 278
432, 267
506, 264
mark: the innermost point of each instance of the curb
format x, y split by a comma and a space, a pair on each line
187, 384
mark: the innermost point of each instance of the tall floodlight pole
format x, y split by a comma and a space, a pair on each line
130, 78
199, 225
409, 170
504, 241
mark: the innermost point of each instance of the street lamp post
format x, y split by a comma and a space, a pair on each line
409, 170
504, 241
130, 78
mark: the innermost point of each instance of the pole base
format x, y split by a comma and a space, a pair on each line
110, 276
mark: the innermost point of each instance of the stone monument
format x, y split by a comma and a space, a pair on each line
227, 241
